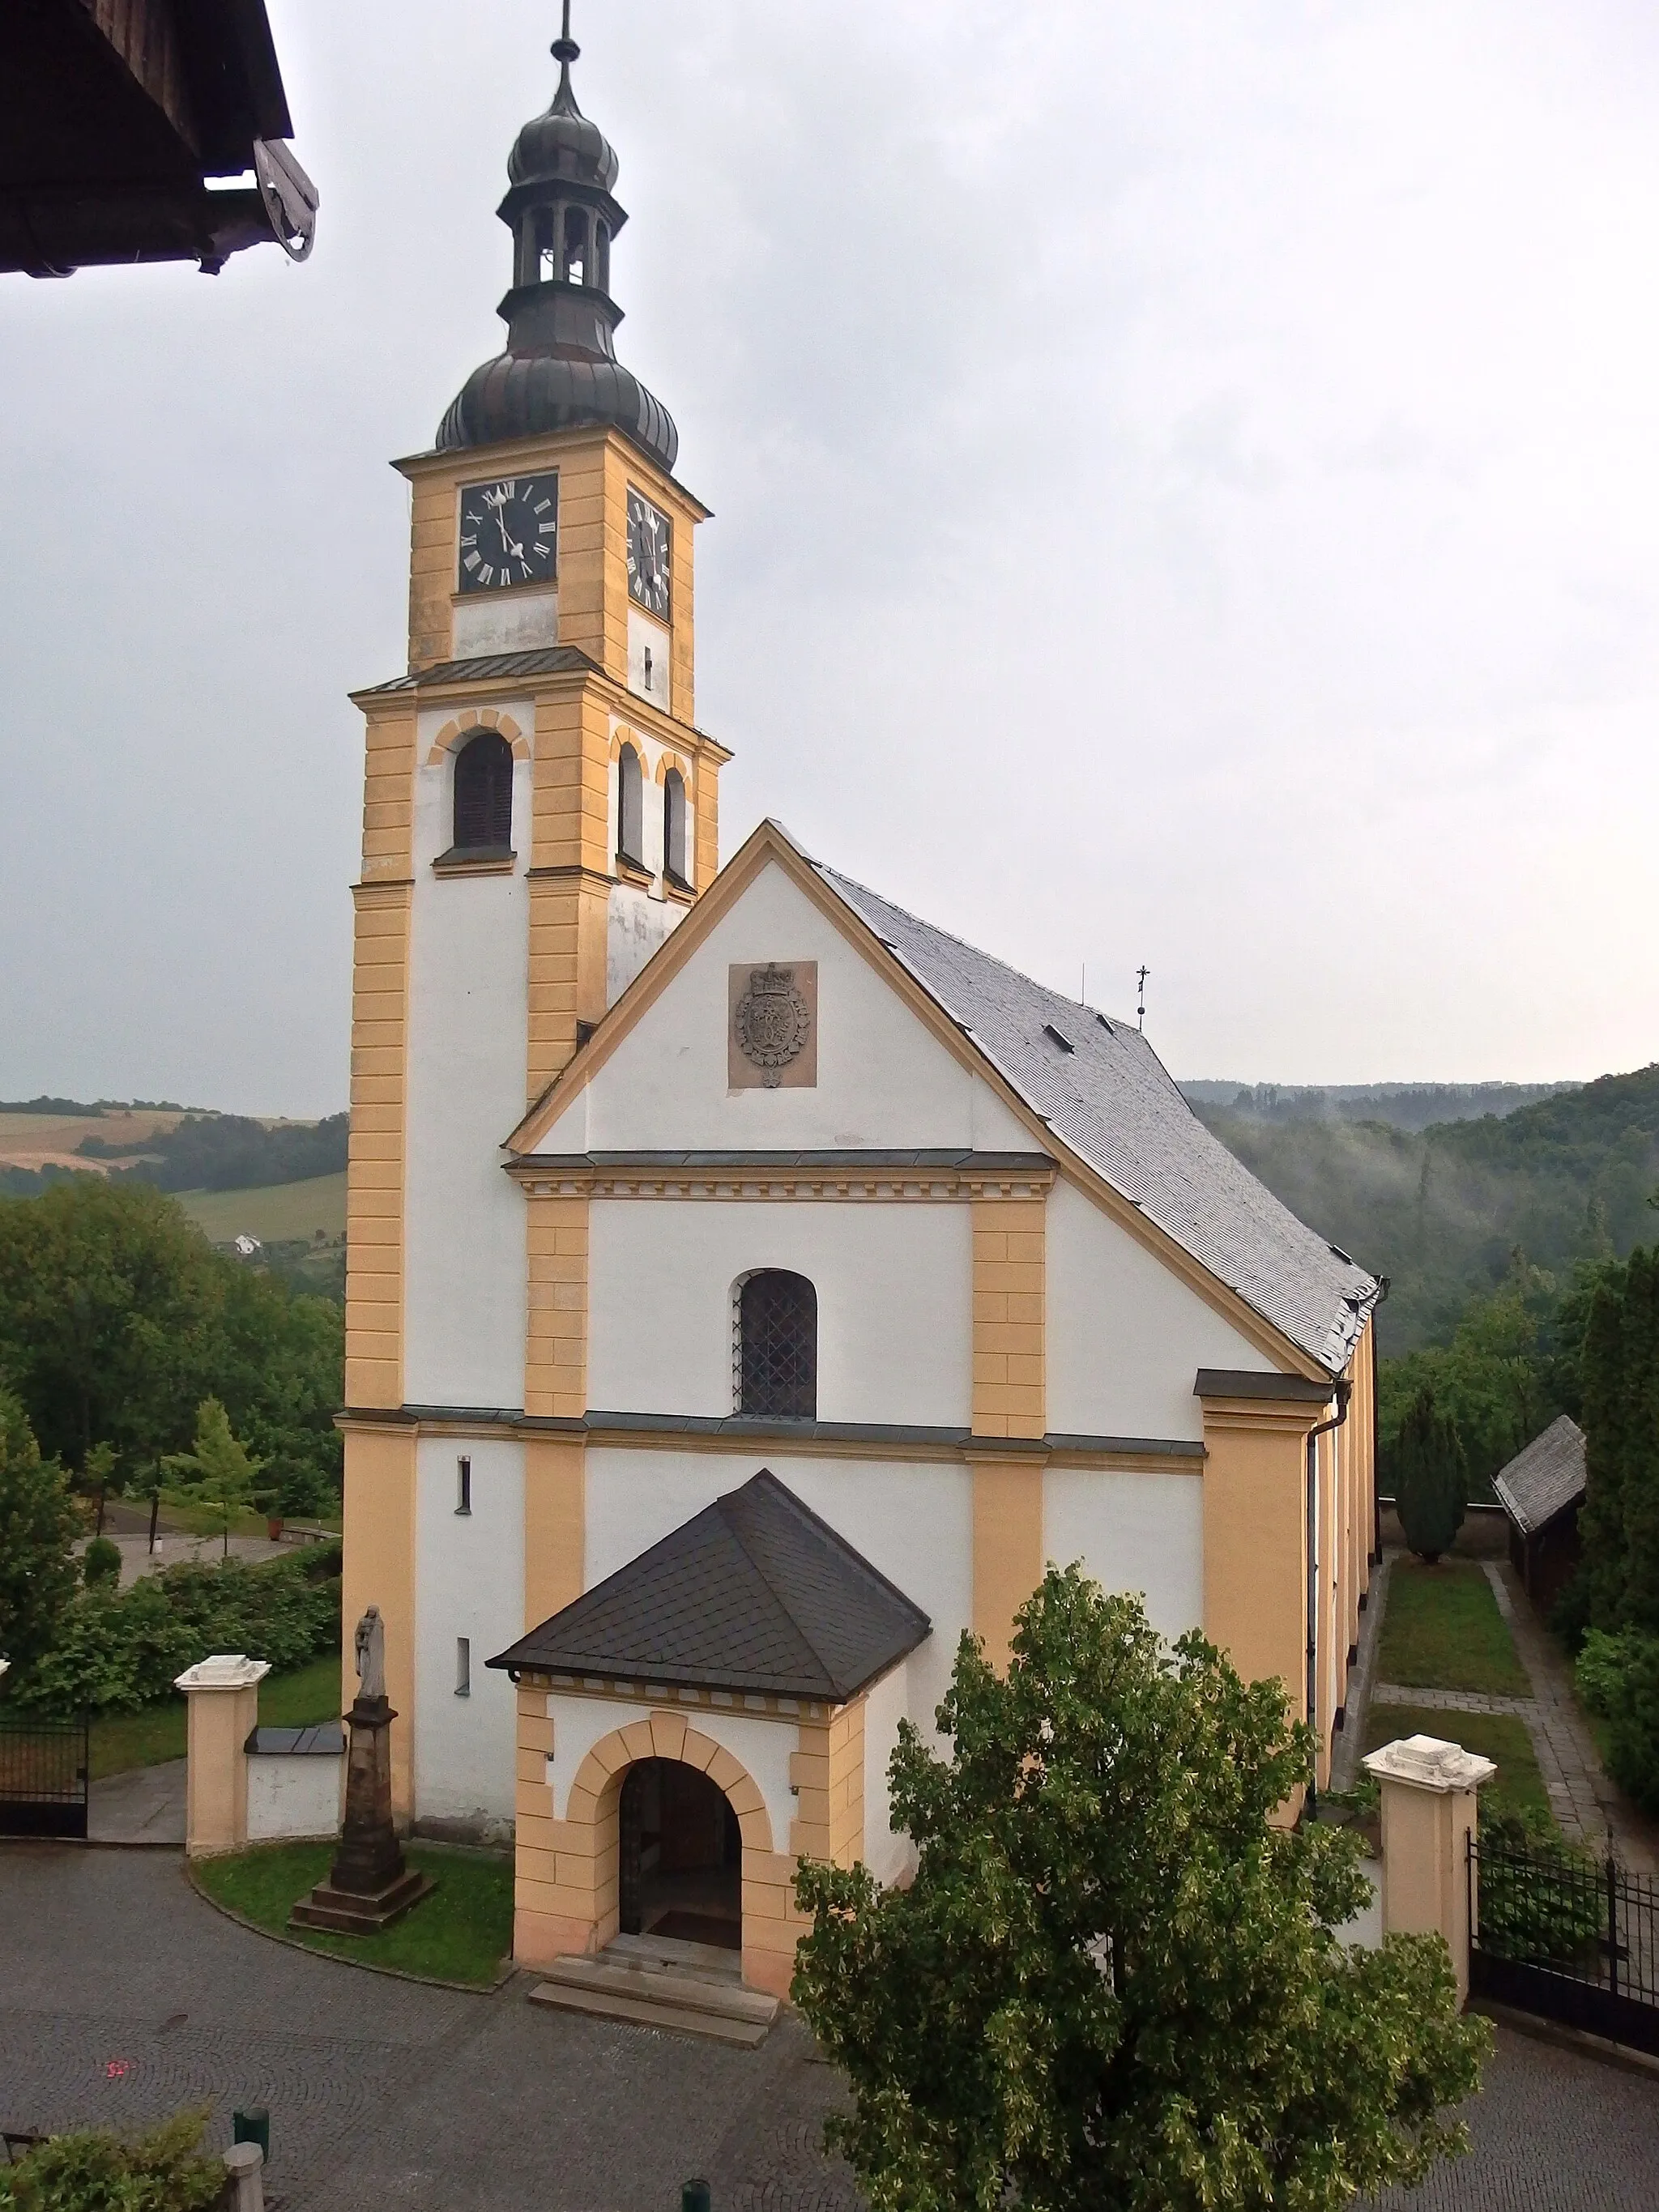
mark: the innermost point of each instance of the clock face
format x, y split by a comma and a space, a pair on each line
509, 532
647, 555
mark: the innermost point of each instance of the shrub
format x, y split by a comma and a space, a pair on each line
39, 1525
100, 1562
116, 1650
164, 2171
1541, 1897
1618, 1678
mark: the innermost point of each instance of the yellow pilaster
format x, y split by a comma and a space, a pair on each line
556, 1353
554, 1524
379, 1569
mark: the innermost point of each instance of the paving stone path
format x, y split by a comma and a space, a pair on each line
1585, 1801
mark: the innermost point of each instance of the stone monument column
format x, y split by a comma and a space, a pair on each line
369, 1886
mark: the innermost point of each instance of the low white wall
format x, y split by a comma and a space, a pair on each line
294, 1796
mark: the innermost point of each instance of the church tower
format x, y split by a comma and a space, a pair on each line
540, 810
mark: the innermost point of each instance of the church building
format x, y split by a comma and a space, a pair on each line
751, 1285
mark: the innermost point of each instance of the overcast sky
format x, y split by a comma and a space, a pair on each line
1185, 491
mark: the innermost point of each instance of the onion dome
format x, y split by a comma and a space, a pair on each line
560, 368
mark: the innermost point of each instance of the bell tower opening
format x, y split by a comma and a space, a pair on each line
679, 1857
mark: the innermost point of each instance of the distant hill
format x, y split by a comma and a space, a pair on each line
1400, 1105
1564, 1178
45, 1140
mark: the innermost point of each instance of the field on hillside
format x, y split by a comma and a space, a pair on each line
276, 1215
39, 1140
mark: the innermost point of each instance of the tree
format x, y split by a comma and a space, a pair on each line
39, 1526
1113, 1982
1432, 1478
1620, 1521
220, 1472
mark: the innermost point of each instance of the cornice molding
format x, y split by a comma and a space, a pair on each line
734, 1179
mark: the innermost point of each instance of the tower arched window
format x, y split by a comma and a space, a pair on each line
484, 794
777, 1345
631, 842
673, 829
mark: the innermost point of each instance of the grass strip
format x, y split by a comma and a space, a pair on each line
154, 1733
1443, 1631
1517, 1786
461, 1931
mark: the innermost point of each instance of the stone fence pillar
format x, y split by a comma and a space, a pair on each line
224, 1710
1428, 1816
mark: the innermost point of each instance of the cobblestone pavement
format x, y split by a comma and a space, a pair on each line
125, 1996
1553, 2130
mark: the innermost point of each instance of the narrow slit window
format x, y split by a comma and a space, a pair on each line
464, 1666
463, 1485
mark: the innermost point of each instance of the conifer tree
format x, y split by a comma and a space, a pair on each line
1620, 1521
39, 1525
1432, 1478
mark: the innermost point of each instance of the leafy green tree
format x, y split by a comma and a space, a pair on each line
1113, 1982
117, 1319
219, 1472
1432, 1478
39, 1526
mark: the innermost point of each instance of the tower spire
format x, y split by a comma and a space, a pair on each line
565, 51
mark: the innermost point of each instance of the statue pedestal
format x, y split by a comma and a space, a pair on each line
368, 1885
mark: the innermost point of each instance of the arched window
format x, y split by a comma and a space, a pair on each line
630, 844
484, 794
673, 828
777, 1349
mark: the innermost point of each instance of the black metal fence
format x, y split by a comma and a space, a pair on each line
1569, 1936
43, 1776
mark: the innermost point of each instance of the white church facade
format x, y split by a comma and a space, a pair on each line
750, 1286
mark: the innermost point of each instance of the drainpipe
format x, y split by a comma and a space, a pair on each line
1342, 1391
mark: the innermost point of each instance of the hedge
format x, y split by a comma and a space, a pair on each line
116, 1650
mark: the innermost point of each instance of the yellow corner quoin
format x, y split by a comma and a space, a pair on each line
379, 1569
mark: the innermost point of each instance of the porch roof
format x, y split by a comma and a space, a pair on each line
755, 1593
1546, 1478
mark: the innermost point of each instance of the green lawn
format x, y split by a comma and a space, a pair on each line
146, 1738
1443, 1631
1517, 1786
275, 1214
461, 1931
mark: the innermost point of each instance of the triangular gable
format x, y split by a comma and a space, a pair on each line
771, 844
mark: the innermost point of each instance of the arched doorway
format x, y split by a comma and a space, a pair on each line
679, 1857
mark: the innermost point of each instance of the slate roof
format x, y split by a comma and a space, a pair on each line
1546, 1478
1105, 1095
755, 1593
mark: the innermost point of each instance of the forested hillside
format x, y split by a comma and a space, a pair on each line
1442, 1212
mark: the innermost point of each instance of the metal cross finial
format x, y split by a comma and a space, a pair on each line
1141, 974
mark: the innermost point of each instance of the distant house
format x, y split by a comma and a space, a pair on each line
1541, 1489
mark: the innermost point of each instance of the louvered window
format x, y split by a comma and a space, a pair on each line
484, 794
777, 1360
673, 827
630, 843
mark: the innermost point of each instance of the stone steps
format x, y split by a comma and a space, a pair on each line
648, 1993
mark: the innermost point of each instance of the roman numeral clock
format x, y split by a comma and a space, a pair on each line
509, 532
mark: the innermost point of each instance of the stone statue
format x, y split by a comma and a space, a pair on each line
369, 1886
370, 1645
